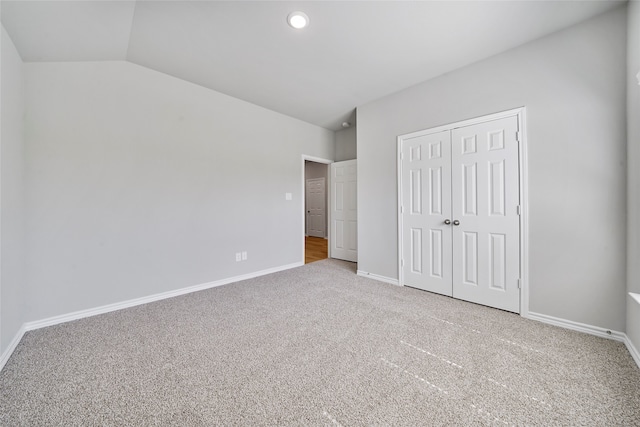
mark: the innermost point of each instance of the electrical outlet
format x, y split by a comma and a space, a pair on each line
244, 255
238, 256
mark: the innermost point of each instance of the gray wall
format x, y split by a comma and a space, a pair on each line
140, 183
573, 86
315, 170
633, 159
12, 290
346, 147
318, 170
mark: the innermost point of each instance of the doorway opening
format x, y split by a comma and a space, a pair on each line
316, 218
315, 249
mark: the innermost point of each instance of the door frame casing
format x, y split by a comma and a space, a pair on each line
304, 196
520, 114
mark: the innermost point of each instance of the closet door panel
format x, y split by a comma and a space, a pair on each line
426, 204
486, 224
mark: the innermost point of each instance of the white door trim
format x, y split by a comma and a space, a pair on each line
520, 113
302, 199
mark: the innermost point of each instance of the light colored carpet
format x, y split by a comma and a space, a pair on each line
316, 345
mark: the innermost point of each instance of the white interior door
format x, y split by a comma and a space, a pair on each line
460, 212
344, 226
486, 223
426, 195
316, 211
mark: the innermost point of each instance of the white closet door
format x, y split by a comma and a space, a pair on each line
344, 212
426, 204
486, 224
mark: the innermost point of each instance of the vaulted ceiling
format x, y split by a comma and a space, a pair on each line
352, 52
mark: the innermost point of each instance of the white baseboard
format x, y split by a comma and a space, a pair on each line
12, 346
378, 278
29, 326
633, 350
55, 320
589, 329
576, 326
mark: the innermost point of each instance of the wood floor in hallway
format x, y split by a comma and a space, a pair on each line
315, 249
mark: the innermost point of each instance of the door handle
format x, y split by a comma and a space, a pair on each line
447, 221
456, 222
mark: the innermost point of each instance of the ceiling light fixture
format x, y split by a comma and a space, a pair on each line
346, 124
298, 20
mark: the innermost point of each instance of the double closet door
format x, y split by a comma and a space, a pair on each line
460, 207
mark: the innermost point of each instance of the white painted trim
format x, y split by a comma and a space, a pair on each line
12, 346
30, 326
316, 159
377, 277
304, 195
633, 350
524, 211
399, 141
577, 326
520, 114
589, 329
635, 297
463, 123
151, 298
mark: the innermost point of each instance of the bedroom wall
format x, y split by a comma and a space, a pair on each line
633, 159
140, 183
573, 84
12, 286
346, 147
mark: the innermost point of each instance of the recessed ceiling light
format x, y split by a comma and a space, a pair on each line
298, 20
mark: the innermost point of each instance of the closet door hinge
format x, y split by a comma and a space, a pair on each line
519, 283
401, 209
518, 136
519, 210
401, 263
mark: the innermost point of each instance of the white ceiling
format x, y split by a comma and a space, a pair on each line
351, 53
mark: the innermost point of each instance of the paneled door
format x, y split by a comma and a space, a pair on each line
485, 216
460, 207
426, 238
344, 212
316, 212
